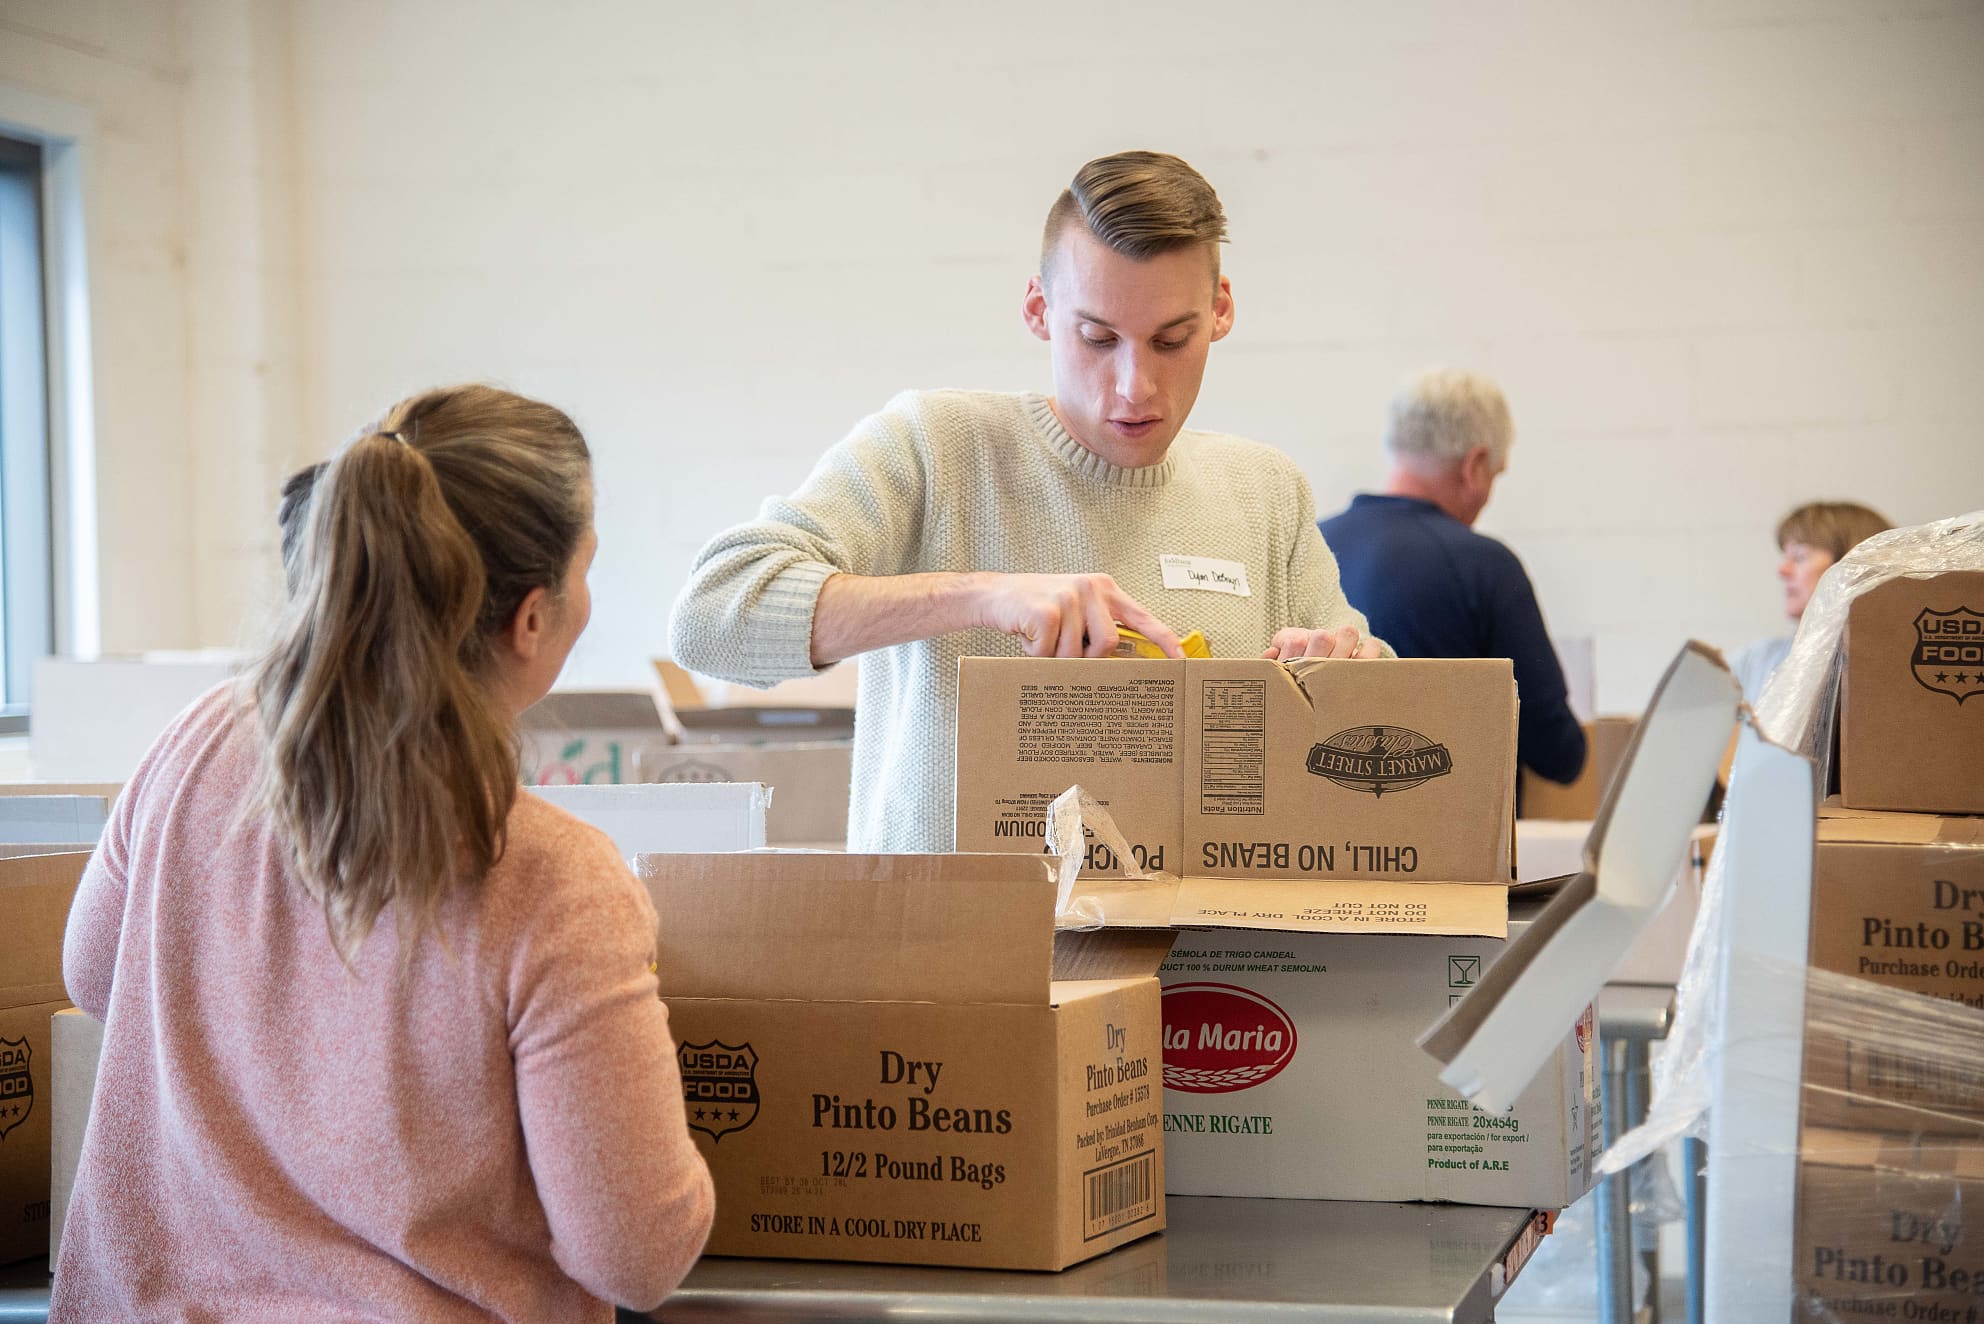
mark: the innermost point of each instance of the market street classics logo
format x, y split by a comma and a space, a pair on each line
720, 1086
1379, 759
1949, 652
16, 1084
1219, 1038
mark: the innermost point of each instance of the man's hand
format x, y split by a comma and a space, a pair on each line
1067, 615
1346, 642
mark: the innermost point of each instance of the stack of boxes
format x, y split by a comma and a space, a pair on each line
1340, 842
1891, 1146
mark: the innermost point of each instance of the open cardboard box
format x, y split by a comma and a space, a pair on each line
895, 1073
1309, 796
667, 733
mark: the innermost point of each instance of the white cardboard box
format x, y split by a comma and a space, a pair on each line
93, 721
1291, 1069
669, 817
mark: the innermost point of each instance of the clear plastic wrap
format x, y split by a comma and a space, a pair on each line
1796, 711
1853, 1205
1891, 1155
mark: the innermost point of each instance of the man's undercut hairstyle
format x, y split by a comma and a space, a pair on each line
1833, 527
1439, 415
1139, 204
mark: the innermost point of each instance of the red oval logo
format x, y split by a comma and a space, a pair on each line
1218, 1038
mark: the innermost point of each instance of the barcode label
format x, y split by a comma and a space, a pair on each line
1881, 1075
1118, 1194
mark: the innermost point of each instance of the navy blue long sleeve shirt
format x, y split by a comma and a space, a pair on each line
1432, 587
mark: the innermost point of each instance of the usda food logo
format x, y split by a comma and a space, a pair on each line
1218, 1038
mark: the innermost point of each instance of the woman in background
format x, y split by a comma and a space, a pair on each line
1809, 541
382, 1038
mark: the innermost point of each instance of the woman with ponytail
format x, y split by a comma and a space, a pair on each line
381, 1032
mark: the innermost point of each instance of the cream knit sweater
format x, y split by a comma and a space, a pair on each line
974, 480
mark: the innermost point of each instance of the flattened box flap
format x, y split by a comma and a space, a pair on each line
1291, 906
1878, 827
1493, 1040
854, 928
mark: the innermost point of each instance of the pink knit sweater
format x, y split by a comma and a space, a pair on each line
497, 1135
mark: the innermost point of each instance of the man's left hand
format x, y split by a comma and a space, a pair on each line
1346, 642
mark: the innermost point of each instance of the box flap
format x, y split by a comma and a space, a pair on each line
676, 688
1308, 906
899, 928
35, 893
763, 725
1296, 905
1111, 953
592, 710
1495, 1038
1876, 827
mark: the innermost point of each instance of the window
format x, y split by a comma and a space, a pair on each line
27, 615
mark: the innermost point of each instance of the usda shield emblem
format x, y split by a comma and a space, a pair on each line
1949, 652
719, 1086
16, 1084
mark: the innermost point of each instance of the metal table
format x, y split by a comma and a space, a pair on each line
1224, 1260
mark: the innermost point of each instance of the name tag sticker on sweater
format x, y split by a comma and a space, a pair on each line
1205, 573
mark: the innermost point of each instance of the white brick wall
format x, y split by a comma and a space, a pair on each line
1725, 257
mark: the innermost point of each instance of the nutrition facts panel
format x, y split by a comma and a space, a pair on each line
1233, 747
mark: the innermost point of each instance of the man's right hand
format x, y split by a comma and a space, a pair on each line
1052, 615
1067, 615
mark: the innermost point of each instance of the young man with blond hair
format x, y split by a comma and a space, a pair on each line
1413, 563
975, 523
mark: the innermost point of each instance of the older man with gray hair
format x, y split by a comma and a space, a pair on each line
1430, 585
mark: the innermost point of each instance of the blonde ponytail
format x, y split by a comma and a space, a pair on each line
389, 766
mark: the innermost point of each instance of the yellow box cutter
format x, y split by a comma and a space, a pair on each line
1129, 643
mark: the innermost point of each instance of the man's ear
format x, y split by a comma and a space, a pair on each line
1033, 308
1222, 309
524, 635
1478, 468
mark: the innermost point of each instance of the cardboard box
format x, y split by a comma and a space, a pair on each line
35, 892
1910, 736
72, 819
669, 819
94, 721
1605, 741
1898, 904
1397, 772
1291, 1069
615, 737
895, 1075
1883, 1229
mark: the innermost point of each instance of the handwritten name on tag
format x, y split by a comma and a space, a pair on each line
1205, 573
